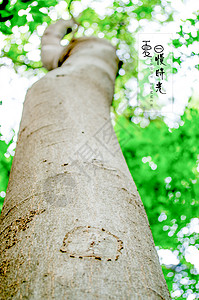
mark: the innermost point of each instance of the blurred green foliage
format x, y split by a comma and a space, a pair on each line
165, 166
5, 166
33, 7
187, 38
114, 26
163, 162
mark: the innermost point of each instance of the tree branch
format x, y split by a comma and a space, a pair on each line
51, 48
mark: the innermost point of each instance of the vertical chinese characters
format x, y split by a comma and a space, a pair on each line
147, 48
159, 60
155, 86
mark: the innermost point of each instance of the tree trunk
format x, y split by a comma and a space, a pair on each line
73, 225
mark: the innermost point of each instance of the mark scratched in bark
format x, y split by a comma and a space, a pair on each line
133, 197
100, 164
88, 242
38, 129
61, 75
155, 292
59, 190
6, 265
21, 224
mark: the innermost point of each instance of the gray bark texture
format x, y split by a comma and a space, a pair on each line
73, 225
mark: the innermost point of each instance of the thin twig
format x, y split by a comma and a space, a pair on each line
69, 10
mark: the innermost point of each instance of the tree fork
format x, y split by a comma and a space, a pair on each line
73, 225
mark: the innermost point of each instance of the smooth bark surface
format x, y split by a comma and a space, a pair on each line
73, 225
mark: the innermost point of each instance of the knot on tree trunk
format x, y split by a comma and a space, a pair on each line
53, 54
51, 48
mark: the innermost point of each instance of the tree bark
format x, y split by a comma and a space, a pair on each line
73, 225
